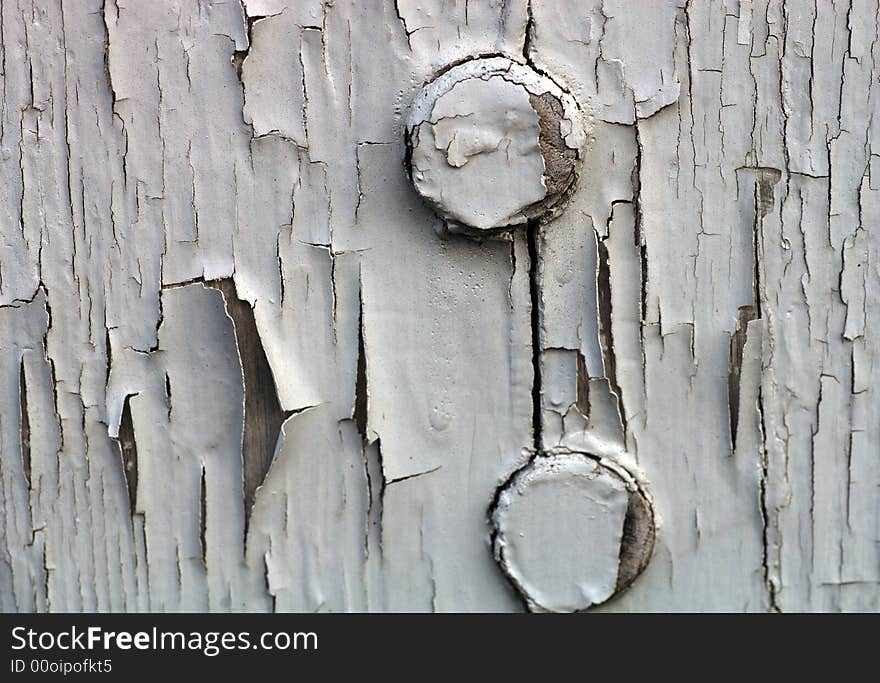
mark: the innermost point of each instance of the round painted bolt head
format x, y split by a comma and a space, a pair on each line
570, 532
493, 144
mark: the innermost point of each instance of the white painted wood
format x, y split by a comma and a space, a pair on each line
701, 314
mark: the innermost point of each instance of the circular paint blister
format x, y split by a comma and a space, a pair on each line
570, 532
493, 144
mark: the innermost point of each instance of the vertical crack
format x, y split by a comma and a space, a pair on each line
766, 180
641, 243
128, 450
734, 368
203, 517
360, 390
529, 33
268, 584
533, 233
606, 334
263, 414
372, 451
583, 386
360, 418
769, 583
24, 426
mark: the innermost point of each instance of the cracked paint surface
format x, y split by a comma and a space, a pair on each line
717, 250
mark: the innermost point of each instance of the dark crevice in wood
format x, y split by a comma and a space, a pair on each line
533, 234
360, 392
606, 334
203, 517
734, 368
238, 56
128, 449
583, 386
263, 415
24, 426
168, 395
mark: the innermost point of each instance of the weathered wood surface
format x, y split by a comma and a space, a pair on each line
245, 368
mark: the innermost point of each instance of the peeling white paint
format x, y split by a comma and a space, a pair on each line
703, 318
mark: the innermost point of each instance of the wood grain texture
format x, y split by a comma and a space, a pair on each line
189, 184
